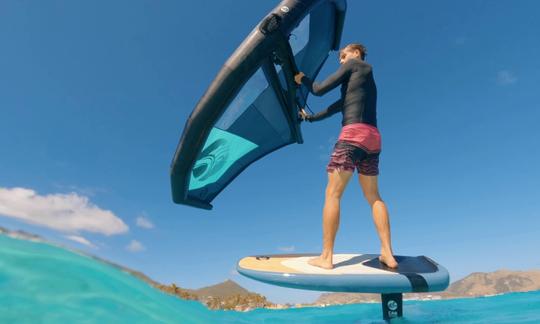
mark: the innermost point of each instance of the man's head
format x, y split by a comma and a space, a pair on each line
352, 51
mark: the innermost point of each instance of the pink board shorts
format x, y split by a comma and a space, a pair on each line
358, 147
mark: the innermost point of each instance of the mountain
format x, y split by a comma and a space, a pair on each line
474, 285
226, 295
498, 282
225, 289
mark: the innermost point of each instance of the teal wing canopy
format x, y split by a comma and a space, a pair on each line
251, 107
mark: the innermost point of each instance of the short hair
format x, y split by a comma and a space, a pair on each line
356, 46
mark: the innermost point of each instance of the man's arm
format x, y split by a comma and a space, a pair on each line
331, 110
331, 82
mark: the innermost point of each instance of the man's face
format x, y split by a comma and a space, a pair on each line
347, 54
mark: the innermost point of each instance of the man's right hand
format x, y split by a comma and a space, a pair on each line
298, 77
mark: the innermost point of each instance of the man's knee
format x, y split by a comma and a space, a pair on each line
334, 192
372, 197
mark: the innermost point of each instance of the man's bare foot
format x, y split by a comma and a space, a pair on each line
388, 260
321, 263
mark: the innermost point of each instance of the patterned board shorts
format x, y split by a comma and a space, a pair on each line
347, 157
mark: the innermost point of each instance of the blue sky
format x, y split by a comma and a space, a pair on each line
94, 96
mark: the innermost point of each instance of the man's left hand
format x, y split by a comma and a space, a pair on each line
304, 115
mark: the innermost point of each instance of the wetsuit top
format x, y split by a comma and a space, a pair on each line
358, 101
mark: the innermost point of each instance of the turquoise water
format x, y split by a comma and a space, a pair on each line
41, 283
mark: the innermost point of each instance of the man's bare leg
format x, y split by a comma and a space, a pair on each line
337, 182
380, 217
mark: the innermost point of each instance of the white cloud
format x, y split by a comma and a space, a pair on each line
505, 77
135, 246
144, 222
287, 248
69, 213
81, 240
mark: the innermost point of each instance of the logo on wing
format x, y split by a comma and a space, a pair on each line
211, 160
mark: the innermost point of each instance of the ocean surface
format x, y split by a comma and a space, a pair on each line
42, 283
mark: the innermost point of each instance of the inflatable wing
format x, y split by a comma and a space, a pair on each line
251, 107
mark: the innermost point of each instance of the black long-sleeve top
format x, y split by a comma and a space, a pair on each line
358, 101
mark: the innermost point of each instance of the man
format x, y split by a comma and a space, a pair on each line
358, 146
